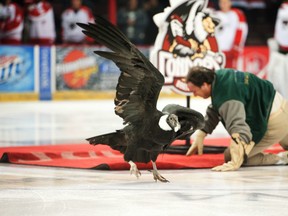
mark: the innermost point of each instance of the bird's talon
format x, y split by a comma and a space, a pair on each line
160, 178
134, 170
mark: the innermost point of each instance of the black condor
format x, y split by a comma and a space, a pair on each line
148, 130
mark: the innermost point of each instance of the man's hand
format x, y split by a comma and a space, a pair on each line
238, 149
197, 144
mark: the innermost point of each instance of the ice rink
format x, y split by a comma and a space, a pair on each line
41, 191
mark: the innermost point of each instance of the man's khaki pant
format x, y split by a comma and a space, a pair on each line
277, 132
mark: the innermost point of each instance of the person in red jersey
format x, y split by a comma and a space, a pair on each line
277, 66
281, 28
11, 23
41, 23
231, 35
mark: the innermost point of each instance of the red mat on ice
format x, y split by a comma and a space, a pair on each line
103, 157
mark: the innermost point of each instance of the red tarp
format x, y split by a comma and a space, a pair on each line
103, 157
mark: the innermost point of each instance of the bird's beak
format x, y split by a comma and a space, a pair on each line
178, 127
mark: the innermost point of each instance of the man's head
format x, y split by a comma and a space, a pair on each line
199, 80
225, 5
133, 5
76, 4
7, 2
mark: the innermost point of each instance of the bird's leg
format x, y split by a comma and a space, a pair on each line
134, 170
156, 174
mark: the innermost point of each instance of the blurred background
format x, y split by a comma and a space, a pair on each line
44, 55
261, 14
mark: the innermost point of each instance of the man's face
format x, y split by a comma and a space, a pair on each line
204, 91
76, 4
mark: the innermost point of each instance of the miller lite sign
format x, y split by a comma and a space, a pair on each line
186, 38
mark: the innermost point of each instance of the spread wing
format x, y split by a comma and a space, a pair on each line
139, 83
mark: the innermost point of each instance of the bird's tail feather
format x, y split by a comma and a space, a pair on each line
115, 140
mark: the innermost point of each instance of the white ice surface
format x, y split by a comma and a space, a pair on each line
48, 191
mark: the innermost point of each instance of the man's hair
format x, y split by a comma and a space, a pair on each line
198, 75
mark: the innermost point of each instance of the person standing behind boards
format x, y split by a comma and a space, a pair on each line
11, 23
132, 21
232, 33
77, 13
41, 23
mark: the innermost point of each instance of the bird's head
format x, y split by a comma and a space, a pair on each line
169, 122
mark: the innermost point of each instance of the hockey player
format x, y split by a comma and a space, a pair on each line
42, 25
77, 13
11, 23
231, 35
277, 68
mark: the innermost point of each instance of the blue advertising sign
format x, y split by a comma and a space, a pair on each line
45, 73
17, 69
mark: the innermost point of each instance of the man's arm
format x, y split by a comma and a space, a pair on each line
211, 120
234, 115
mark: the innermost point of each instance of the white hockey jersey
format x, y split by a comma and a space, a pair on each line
70, 31
281, 28
41, 17
233, 30
11, 22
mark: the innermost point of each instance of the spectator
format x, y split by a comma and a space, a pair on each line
281, 28
133, 21
251, 110
152, 7
11, 23
232, 33
41, 23
71, 33
277, 68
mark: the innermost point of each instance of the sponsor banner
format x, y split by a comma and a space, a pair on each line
108, 74
78, 73
79, 69
17, 69
76, 68
186, 38
45, 73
